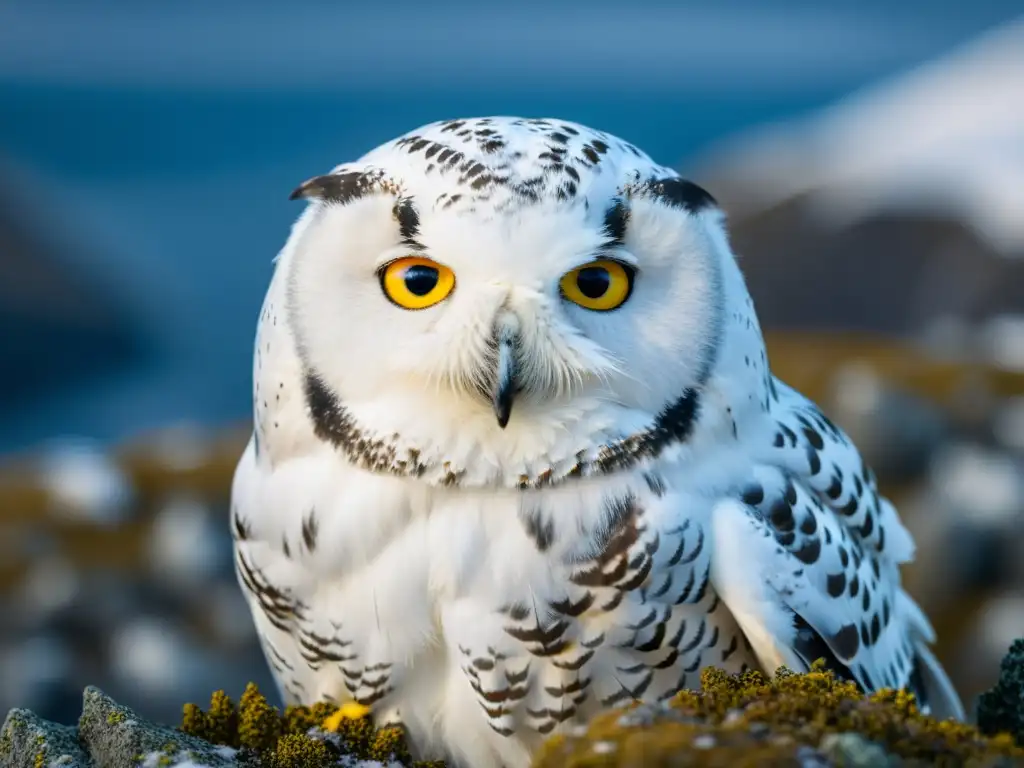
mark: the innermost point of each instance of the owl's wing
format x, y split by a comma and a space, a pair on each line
270, 548
808, 557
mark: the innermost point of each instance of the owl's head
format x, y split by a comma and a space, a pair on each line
499, 295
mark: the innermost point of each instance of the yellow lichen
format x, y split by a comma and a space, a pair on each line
281, 740
742, 720
259, 724
222, 719
751, 720
298, 751
301, 719
193, 721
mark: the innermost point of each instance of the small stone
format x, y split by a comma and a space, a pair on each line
895, 431
153, 656
809, 757
851, 750
28, 741
182, 447
84, 482
1008, 423
983, 485
1001, 621
603, 747
704, 741
229, 616
51, 585
1002, 337
759, 730
186, 548
732, 716
638, 717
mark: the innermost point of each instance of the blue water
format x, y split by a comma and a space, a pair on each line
180, 186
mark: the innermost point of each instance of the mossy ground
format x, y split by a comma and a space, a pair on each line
735, 720
751, 720
268, 738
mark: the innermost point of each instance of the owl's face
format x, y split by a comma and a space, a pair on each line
492, 295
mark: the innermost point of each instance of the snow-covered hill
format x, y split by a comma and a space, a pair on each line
946, 138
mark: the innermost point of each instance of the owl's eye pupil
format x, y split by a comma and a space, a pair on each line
593, 282
420, 279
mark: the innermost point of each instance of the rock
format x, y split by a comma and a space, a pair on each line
893, 231
108, 735
115, 737
27, 741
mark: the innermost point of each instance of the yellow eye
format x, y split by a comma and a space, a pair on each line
600, 285
416, 283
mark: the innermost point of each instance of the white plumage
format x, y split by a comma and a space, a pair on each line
494, 513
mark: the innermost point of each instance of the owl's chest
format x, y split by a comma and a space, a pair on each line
513, 611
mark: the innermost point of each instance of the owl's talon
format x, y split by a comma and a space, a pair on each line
350, 710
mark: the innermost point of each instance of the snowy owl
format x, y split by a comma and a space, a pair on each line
519, 456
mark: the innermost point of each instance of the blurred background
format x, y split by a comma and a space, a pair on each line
870, 155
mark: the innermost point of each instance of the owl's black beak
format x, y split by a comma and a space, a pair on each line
505, 385
503, 404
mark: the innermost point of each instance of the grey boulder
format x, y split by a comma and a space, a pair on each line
108, 735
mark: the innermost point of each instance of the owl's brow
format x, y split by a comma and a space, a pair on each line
616, 218
673, 191
343, 188
346, 186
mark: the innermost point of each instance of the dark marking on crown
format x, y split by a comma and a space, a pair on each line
408, 219
678, 193
616, 218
